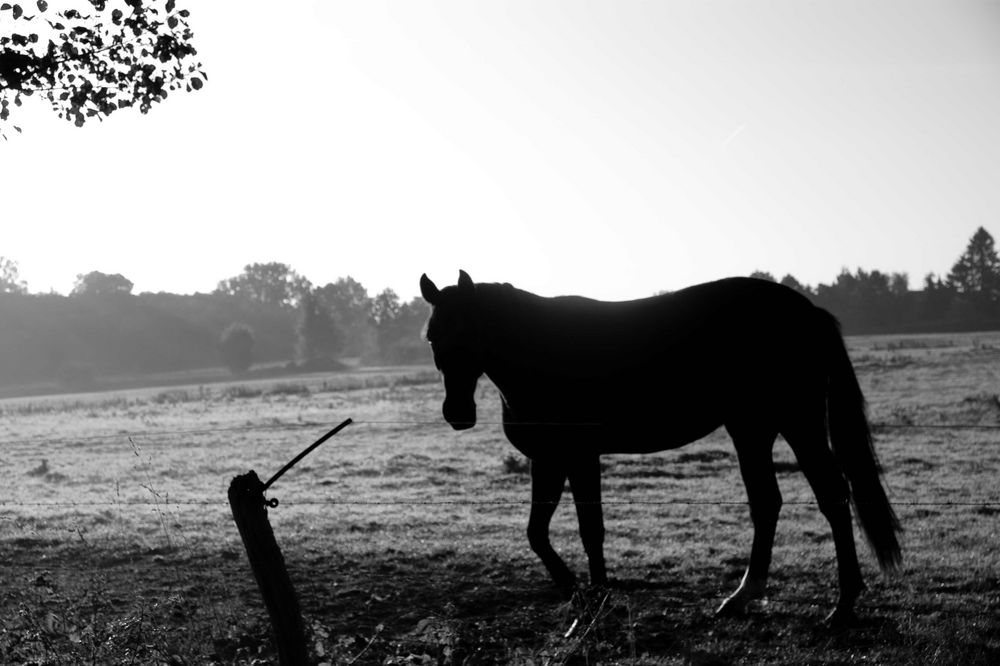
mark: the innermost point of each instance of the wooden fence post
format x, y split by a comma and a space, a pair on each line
246, 498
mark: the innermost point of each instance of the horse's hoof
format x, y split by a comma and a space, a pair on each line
599, 581
566, 587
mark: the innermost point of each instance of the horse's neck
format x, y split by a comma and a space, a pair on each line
510, 321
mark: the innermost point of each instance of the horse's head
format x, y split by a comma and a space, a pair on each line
454, 336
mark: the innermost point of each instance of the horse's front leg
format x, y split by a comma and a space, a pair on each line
547, 481
585, 482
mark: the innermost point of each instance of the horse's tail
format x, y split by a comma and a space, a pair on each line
851, 438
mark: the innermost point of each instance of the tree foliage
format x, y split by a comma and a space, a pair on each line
10, 278
236, 347
763, 275
977, 272
790, 282
385, 308
96, 283
397, 326
349, 303
319, 338
90, 62
271, 283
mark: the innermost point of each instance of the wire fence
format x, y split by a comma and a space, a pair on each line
330, 501
307, 425
462, 502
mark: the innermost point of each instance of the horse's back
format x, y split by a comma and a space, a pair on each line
689, 360
699, 326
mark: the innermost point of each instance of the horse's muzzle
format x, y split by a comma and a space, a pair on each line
460, 417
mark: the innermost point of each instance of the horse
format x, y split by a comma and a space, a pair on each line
579, 378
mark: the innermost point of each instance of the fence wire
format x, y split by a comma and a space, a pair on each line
415, 502
312, 425
305, 425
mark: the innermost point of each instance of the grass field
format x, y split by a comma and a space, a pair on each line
405, 540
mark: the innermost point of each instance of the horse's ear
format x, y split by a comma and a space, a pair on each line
465, 283
429, 290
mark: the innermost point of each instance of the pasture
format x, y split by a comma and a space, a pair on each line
405, 540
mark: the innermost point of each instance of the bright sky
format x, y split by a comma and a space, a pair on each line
612, 149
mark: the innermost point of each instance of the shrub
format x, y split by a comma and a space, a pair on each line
236, 347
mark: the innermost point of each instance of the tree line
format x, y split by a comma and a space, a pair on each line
268, 315
967, 299
271, 315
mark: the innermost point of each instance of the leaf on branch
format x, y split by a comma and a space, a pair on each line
93, 72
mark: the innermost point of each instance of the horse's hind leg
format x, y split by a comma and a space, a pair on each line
585, 482
754, 449
547, 482
818, 463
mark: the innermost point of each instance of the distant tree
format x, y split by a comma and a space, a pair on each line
976, 274
763, 275
351, 307
10, 278
96, 283
790, 281
92, 62
397, 328
236, 347
385, 308
935, 299
319, 338
345, 295
899, 284
272, 283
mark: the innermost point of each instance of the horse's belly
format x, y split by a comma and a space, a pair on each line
655, 436
637, 418
540, 440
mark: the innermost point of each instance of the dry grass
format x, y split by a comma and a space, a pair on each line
406, 540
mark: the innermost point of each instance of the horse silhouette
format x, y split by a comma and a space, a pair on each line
580, 378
